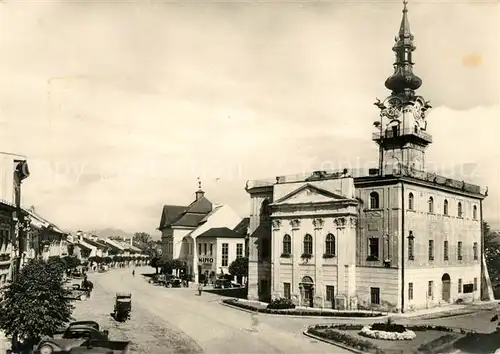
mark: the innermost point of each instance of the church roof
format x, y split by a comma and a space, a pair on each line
190, 216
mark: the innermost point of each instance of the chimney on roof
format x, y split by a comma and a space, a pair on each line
199, 193
131, 241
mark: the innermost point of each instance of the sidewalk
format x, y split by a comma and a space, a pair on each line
448, 311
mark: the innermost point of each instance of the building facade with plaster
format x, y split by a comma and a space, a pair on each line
182, 225
395, 237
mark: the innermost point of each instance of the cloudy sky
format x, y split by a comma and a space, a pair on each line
120, 106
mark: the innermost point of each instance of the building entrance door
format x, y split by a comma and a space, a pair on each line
446, 287
308, 286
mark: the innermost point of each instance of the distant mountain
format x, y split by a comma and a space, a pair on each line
112, 232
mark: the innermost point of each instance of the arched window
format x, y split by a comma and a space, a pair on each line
308, 244
445, 207
374, 200
411, 202
431, 204
287, 244
459, 210
330, 245
474, 212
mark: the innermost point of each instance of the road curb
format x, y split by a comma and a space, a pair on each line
329, 341
299, 316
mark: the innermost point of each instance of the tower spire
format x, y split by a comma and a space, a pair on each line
404, 81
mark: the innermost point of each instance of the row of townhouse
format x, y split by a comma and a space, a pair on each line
90, 248
45, 240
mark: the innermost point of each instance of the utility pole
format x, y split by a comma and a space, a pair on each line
21, 172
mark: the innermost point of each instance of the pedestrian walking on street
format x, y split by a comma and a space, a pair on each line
133, 273
200, 288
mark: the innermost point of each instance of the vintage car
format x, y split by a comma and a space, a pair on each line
222, 284
123, 306
157, 279
77, 275
172, 281
82, 337
76, 292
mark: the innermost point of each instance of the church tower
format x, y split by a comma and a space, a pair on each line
402, 136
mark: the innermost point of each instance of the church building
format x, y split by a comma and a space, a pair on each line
395, 237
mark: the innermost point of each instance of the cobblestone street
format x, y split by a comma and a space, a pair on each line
147, 332
177, 321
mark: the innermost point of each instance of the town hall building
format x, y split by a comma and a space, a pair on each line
394, 237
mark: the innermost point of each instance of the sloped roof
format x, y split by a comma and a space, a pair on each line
190, 216
222, 232
84, 245
170, 214
39, 221
95, 243
114, 244
242, 227
211, 213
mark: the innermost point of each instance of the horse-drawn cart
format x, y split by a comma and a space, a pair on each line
123, 306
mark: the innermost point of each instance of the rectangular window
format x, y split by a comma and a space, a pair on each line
459, 250
475, 284
375, 296
475, 250
239, 250
410, 291
199, 249
431, 250
225, 254
468, 288
330, 293
286, 290
459, 286
373, 248
411, 247
430, 290
205, 249
211, 249
445, 250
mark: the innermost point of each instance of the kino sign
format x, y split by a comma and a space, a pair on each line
205, 260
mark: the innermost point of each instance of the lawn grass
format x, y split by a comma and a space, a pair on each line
426, 341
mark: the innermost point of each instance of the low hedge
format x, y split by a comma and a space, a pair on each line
281, 304
332, 332
343, 338
299, 312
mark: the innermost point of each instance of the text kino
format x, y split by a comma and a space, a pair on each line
206, 260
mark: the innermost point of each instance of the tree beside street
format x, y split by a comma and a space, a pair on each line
239, 268
146, 243
492, 256
71, 262
36, 303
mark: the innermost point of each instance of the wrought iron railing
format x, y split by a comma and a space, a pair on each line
402, 132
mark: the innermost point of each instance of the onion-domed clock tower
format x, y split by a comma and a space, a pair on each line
402, 135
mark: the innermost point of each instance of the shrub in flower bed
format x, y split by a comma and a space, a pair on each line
346, 339
380, 334
299, 312
281, 304
388, 327
388, 331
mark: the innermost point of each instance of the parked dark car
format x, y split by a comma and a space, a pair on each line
82, 337
222, 284
76, 292
172, 281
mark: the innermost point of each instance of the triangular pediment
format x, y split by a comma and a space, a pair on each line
309, 194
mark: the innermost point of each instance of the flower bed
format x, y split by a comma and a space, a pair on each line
298, 311
430, 339
379, 334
